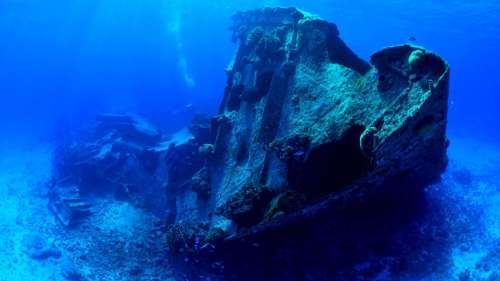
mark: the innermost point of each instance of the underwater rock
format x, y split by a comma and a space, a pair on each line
69, 271
201, 183
185, 237
305, 120
119, 157
38, 247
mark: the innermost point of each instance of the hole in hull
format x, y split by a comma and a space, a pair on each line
332, 166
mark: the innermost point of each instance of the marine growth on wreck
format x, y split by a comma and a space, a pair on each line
317, 165
306, 132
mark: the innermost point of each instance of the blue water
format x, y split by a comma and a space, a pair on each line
62, 62
68, 59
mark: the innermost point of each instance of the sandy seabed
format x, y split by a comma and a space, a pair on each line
121, 242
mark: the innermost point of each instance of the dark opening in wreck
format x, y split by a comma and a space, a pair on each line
332, 166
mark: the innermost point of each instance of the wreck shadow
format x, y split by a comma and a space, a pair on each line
391, 236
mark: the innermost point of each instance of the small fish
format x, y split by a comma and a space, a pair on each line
299, 154
197, 243
412, 39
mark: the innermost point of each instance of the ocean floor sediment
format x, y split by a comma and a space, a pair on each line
460, 232
119, 242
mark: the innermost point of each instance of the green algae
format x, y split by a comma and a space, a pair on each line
284, 203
